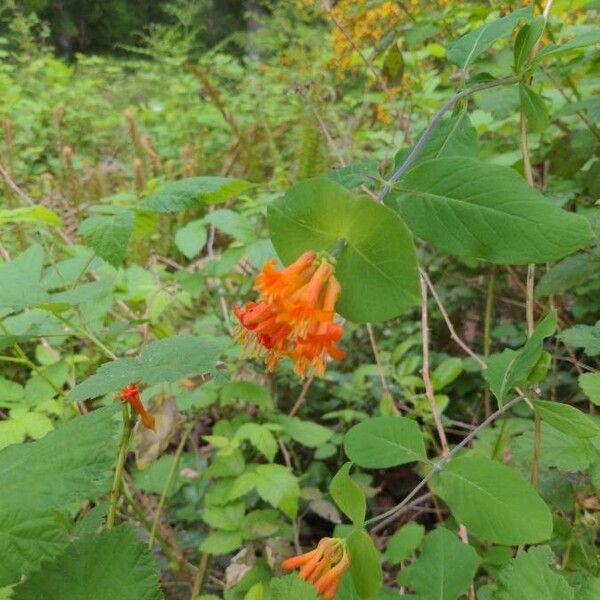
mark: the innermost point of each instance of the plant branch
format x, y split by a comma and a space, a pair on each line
384, 385
122, 455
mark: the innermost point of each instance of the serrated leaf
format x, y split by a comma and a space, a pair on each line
445, 568
348, 496
108, 235
233, 224
112, 564
292, 587
311, 435
377, 268
567, 419
365, 566
466, 49
193, 191
383, 442
167, 360
567, 274
583, 336
247, 392
30, 214
494, 501
221, 542
483, 211
226, 518
260, 437
363, 172
590, 384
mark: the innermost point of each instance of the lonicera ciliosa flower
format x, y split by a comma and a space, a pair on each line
131, 393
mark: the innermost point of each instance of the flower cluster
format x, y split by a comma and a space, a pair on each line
131, 393
294, 315
323, 566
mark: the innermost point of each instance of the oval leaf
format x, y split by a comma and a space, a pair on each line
566, 418
365, 566
385, 442
377, 268
494, 501
348, 496
472, 209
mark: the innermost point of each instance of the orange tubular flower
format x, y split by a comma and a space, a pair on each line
293, 316
131, 393
323, 566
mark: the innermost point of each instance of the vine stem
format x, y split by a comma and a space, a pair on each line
410, 159
123, 449
439, 465
384, 385
200, 575
487, 329
168, 482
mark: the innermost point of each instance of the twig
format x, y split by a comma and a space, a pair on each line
302, 397
383, 524
384, 385
200, 575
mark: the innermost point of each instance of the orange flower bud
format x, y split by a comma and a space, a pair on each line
131, 393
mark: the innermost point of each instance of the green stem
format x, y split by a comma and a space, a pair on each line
168, 482
487, 329
201, 575
123, 449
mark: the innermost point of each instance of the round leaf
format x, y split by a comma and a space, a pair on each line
377, 268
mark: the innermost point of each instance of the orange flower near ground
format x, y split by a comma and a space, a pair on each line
294, 315
323, 566
131, 393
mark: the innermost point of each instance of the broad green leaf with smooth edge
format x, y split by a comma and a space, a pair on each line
493, 501
567, 274
566, 418
582, 41
590, 384
469, 208
526, 39
112, 564
40, 479
307, 433
583, 336
348, 496
510, 368
534, 108
404, 542
188, 193
292, 587
383, 442
466, 49
221, 542
365, 566
168, 360
30, 214
445, 568
530, 576
454, 136
377, 268
191, 238
108, 235
247, 392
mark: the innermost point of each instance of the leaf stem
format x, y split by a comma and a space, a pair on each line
122, 455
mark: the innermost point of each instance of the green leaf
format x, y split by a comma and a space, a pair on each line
20, 281
530, 576
30, 214
365, 566
393, 65
112, 564
466, 49
247, 392
510, 368
191, 192
404, 542
292, 587
494, 501
311, 435
233, 224
260, 437
482, 211
590, 384
383, 442
589, 38
567, 419
221, 542
567, 274
534, 108
446, 372
40, 479
377, 269
348, 496
445, 568
454, 136
278, 486
363, 172
108, 235
526, 39
191, 238
583, 336
167, 360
